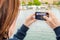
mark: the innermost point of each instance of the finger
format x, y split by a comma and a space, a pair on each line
51, 25
49, 20
45, 17
51, 14
32, 14
33, 20
53, 17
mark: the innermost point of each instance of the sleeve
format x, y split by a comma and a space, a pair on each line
57, 32
21, 33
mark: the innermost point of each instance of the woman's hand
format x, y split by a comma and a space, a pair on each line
29, 20
52, 20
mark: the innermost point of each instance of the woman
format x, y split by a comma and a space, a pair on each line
8, 14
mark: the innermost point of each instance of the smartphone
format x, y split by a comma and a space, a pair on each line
39, 15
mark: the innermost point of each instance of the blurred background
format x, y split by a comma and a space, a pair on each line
30, 4
39, 30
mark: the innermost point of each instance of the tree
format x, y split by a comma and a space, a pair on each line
30, 3
23, 3
46, 2
37, 2
58, 3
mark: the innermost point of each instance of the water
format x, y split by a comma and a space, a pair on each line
39, 30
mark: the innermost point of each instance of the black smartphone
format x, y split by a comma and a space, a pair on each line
39, 15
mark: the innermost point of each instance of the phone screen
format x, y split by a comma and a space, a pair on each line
39, 15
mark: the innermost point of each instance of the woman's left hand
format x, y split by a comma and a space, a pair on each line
52, 21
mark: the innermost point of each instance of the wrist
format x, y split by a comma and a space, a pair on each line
23, 29
57, 30
26, 25
55, 26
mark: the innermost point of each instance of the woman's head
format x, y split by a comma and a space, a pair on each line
8, 12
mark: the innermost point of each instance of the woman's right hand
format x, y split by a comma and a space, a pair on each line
29, 20
52, 21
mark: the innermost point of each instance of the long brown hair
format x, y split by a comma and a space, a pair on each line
8, 12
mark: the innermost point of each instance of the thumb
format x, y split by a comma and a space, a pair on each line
46, 18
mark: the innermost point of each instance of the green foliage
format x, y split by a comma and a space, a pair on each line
30, 3
46, 2
23, 3
58, 3
37, 2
